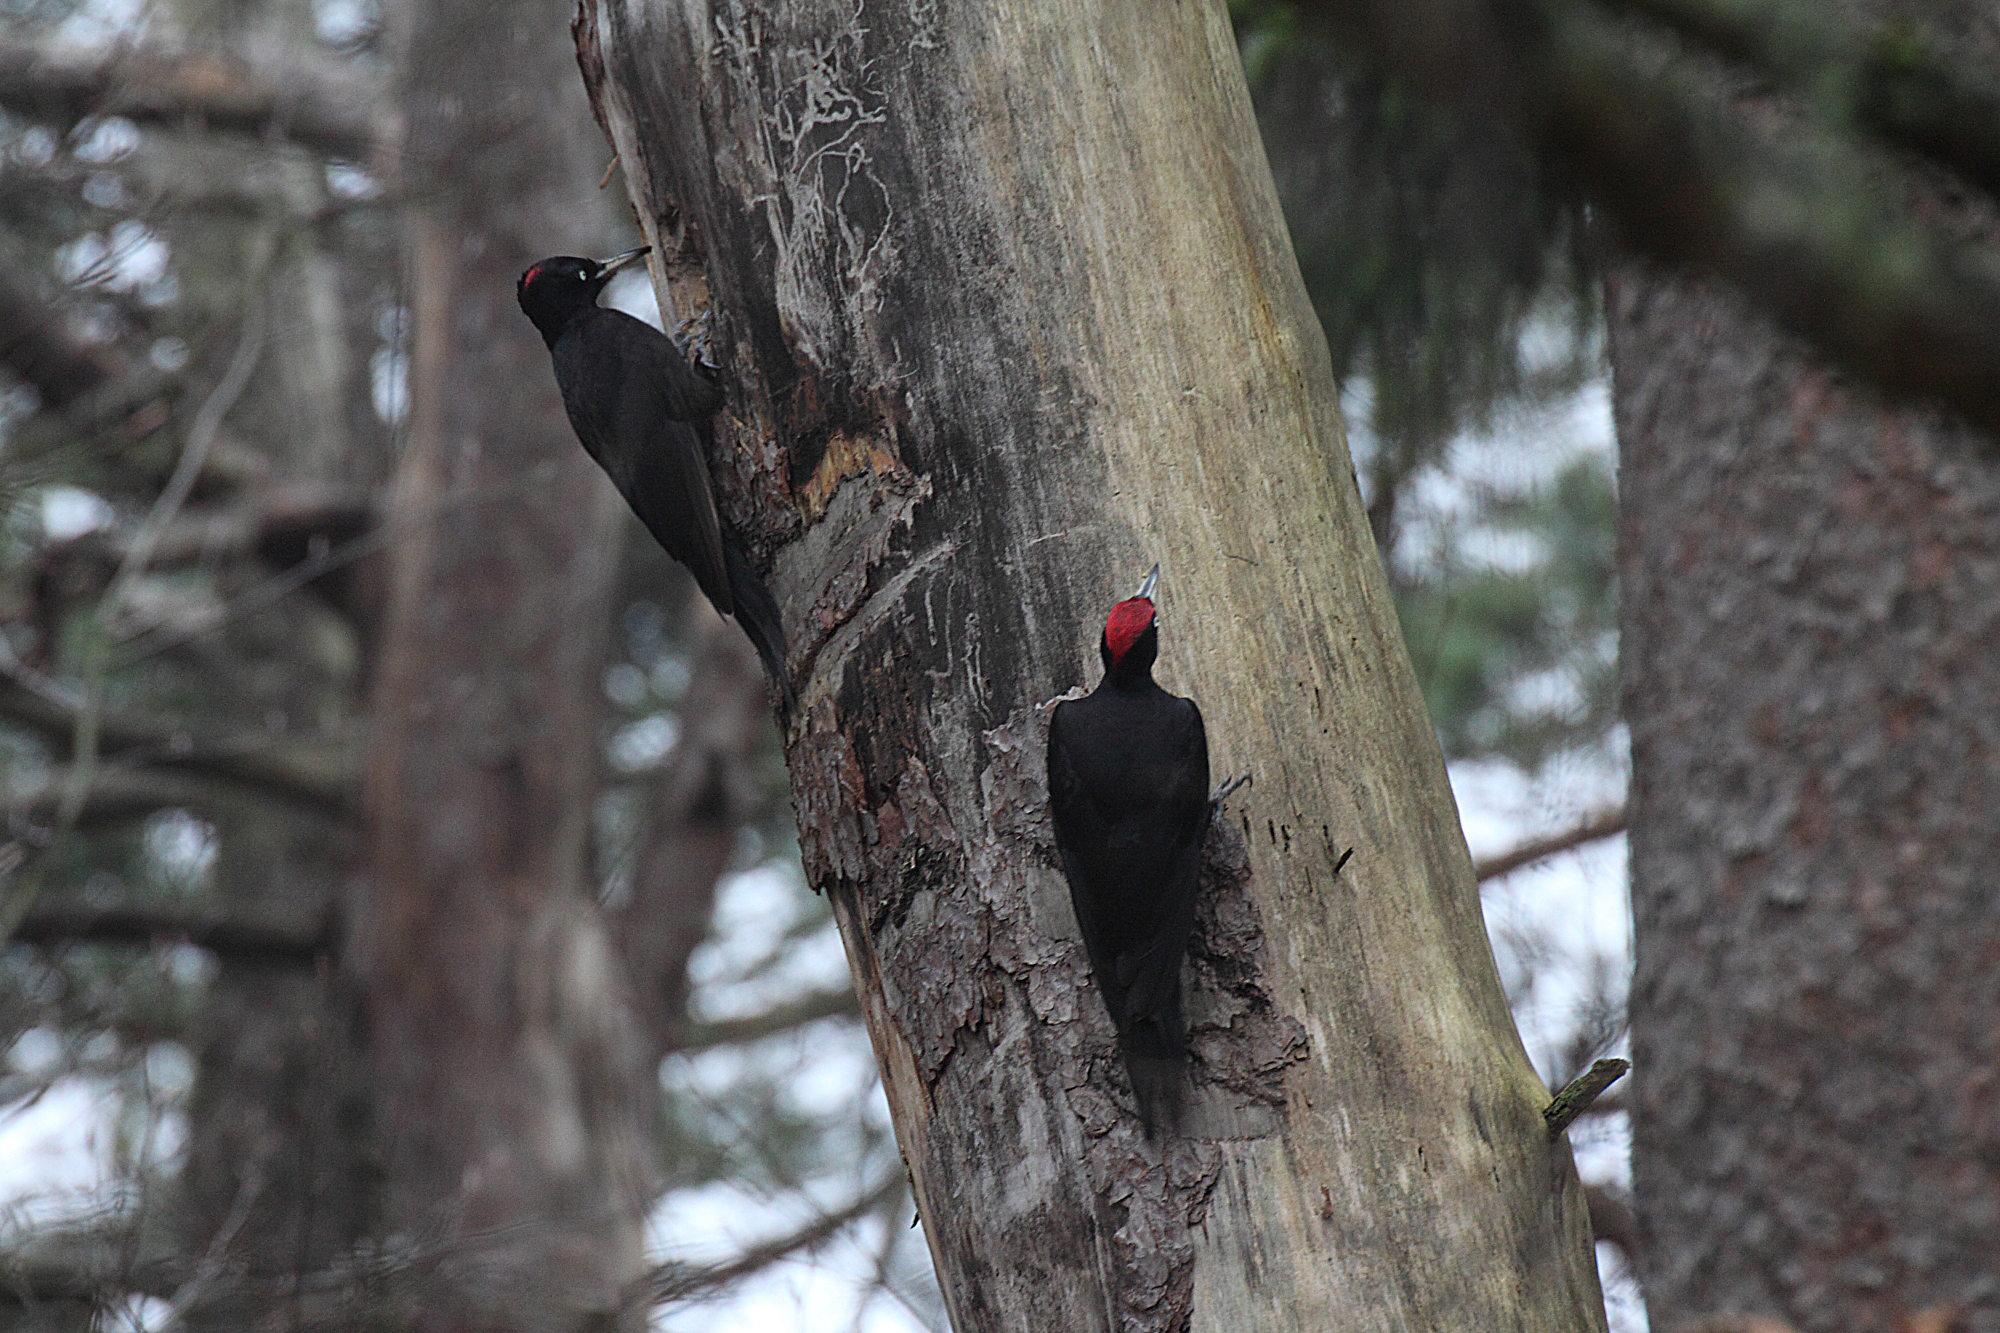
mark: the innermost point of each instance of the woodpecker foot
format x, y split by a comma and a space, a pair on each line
696, 337
1227, 789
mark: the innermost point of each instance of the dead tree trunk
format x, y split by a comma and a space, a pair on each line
1008, 312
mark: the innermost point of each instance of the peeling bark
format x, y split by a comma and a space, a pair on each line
1006, 305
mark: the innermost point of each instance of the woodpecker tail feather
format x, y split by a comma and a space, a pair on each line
757, 613
1160, 1085
1156, 1058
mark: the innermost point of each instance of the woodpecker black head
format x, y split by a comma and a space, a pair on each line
1131, 635
556, 291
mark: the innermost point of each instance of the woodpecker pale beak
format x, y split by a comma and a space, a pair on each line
1147, 584
617, 263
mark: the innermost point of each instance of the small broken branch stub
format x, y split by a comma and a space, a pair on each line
1584, 1089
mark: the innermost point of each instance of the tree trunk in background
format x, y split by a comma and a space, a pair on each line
515, 1089
276, 1180
1006, 304
1812, 605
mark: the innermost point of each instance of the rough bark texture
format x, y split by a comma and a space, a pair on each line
1812, 608
511, 1069
1006, 303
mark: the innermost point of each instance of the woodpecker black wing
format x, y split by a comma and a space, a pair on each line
1128, 795
638, 408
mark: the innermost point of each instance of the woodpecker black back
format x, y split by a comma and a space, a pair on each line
1128, 795
643, 413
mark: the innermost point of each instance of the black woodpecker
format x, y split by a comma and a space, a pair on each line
643, 413
1128, 794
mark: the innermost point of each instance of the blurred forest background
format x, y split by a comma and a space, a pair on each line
207, 336
222, 223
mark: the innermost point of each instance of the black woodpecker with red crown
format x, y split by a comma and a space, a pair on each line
1129, 798
643, 413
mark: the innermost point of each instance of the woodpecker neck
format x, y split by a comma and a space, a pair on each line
1132, 669
553, 324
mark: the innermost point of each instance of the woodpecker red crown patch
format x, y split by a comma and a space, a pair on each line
1127, 621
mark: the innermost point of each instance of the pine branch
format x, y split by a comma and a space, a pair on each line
275, 521
232, 941
1890, 80
316, 106
1795, 221
314, 775
116, 794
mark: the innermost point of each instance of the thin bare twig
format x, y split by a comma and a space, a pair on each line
1604, 823
212, 1262
685, 1282
267, 592
832, 1002
878, 1279
201, 434
90, 710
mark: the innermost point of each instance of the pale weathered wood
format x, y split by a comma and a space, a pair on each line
1008, 314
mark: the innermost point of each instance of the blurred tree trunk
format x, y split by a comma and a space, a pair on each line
277, 1179
514, 1088
1006, 303
1812, 603
425, 1057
